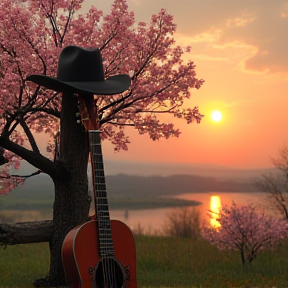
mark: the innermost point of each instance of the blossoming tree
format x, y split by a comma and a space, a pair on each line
32, 34
245, 229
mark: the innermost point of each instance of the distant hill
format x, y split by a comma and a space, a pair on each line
141, 181
168, 169
153, 186
40, 188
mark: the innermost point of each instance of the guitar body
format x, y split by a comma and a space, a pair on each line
82, 262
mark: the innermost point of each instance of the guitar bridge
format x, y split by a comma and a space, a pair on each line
90, 270
91, 273
127, 272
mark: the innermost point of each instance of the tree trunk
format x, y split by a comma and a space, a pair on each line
72, 203
71, 207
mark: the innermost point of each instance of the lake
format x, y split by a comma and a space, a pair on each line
152, 220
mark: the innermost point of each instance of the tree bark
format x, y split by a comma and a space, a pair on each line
72, 203
26, 232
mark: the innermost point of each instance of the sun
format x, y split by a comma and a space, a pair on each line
216, 115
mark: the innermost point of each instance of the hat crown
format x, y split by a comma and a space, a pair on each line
77, 64
81, 71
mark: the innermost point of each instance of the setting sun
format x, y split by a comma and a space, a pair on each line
216, 115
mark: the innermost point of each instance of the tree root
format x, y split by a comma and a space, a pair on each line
45, 282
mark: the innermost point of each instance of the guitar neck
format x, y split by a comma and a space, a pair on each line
106, 248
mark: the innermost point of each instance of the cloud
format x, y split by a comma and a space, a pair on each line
241, 21
241, 102
212, 35
256, 30
208, 47
251, 33
267, 37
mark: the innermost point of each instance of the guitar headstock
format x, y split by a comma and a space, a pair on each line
88, 112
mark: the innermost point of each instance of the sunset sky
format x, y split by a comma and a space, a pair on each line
240, 50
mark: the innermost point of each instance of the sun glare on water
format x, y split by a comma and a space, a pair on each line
215, 207
216, 116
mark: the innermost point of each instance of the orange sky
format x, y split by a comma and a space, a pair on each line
240, 49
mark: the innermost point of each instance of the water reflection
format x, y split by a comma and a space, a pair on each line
153, 220
215, 207
146, 221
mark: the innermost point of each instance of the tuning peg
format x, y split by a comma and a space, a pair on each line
78, 117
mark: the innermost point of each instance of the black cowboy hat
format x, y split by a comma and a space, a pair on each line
81, 71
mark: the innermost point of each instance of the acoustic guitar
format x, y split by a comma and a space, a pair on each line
100, 253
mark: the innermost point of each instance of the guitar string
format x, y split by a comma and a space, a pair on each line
97, 200
108, 267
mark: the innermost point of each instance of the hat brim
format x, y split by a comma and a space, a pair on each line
112, 85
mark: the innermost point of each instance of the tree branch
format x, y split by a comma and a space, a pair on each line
24, 36
133, 101
149, 56
71, 12
27, 176
43, 107
121, 124
26, 232
29, 135
114, 103
54, 169
113, 35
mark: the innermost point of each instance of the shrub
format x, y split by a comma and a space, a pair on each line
183, 222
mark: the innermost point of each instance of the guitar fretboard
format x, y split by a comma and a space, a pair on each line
106, 248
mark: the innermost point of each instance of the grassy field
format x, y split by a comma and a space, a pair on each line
163, 262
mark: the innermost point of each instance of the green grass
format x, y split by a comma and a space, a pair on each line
185, 263
163, 262
21, 264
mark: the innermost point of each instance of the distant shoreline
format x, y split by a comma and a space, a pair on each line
114, 204
11, 213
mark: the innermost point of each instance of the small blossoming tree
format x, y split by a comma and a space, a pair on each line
245, 229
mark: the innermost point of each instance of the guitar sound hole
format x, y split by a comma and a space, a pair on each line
109, 273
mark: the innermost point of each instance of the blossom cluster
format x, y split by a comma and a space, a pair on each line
32, 35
